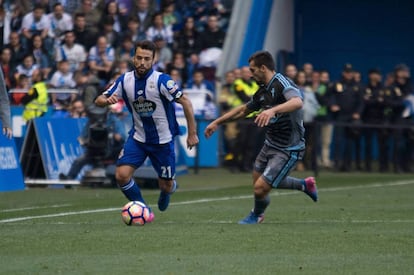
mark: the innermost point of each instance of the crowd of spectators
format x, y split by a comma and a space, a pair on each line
83, 45
79, 46
351, 124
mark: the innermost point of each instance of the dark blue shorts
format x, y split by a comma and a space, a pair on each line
162, 156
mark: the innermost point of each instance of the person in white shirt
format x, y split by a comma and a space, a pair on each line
73, 52
36, 22
60, 22
62, 78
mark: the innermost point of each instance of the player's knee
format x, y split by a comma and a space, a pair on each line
261, 188
122, 177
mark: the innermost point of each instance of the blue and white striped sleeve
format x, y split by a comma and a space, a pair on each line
115, 88
169, 88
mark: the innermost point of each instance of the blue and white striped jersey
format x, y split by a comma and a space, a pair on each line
150, 100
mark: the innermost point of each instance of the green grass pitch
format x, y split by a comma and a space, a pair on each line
363, 224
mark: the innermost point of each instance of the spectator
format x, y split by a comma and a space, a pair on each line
291, 71
346, 104
228, 100
107, 30
119, 18
180, 64
5, 109
158, 29
68, 6
212, 36
324, 118
88, 87
308, 69
185, 39
397, 101
357, 77
6, 68
200, 11
84, 36
62, 79
16, 19
27, 68
60, 22
71, 51
4, 24
77, 109
310, 110
170, 16
92, 16
374, 114
18, 51
22, 86
176, 76
100, 60
144, 10
199, 85
41, 56
125, 51
122, 66
36, 100
133, 29
248, 136
36, 22
163, 54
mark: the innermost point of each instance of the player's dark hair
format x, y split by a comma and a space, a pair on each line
263, 58
146, 45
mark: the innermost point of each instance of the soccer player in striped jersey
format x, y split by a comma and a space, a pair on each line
280, 104
150, 97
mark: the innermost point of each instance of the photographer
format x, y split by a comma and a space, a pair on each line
102, 137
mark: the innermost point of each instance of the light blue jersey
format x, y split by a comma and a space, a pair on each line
150, 100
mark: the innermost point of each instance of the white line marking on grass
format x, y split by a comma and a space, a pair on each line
333, 189
35, 207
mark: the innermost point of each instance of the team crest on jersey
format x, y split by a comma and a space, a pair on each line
145, 108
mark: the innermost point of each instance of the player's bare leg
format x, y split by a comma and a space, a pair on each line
167, 187
131, 190
261, 200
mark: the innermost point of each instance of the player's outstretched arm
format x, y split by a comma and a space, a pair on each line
291, 105
103, 101
192, 138
234, 114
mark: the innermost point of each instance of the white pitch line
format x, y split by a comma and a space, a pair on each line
333, 189
35, 207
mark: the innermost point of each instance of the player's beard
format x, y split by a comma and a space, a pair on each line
141, 71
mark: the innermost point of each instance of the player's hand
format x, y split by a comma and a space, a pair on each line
112, 99
7, 132
192, 140
264, 117
210, 129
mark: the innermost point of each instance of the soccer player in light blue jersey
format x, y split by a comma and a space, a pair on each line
149, 96
280, 105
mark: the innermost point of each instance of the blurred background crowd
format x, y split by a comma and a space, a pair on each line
354, 121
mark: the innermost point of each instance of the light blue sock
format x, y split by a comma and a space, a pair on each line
132, 191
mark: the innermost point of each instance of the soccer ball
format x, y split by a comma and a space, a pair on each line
136, 213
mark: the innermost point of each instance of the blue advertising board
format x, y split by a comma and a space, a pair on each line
11, 176
57, 139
